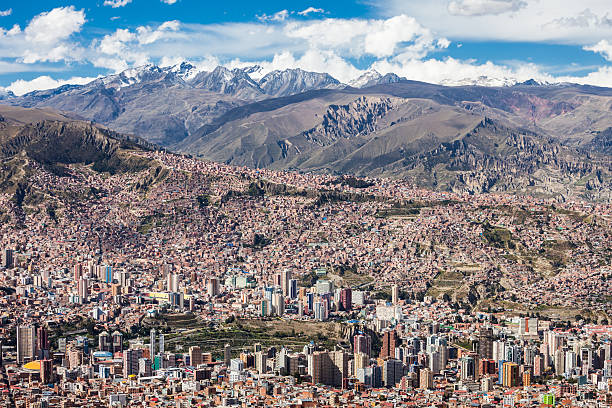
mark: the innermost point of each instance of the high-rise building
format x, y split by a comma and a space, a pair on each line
393, 371
395, 294
227, 354
108, 274
528, 326
105, 342
538, 366
485, 343
370, 376
124, 277
212, 287
264, 308
46, 371
131, 359
468, 368
117, 339
278, 304
152, 340
145, 367
293, 291
195, 356
329, 368
510, 373
321, 310
285, 277
261, 361
83, 288
486, 367
486, 384
361, 360
75, 357
42, 343
390, 341
362, 343
26, 344
559, 361
162, 345
526, 379
8, 260
172, 282
346, 299
425, 379
78, 272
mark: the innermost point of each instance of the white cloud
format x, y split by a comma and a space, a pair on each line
603, 47
312, 60
277, 17
484, 7
601, 77
169, 1
585, 19
311, 10
401, 44
46, 38
148, 35
358, 37
117, 3
124, 48
21, 87
559, 21
451, 71
55, 25
4, 13
10, 33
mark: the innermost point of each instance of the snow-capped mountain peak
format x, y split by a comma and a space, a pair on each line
256, 72
184, 70
293, 81
372, 78
365, 78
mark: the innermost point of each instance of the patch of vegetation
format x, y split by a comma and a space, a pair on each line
382, 295
397, 212
203, 200
261, 187
259, 242
330, 197
52, 213
309, 279
148, 222
155, 175
353, 182
498, 237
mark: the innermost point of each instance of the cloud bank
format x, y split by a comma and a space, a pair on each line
344, 48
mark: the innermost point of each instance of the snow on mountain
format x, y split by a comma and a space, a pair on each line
364, 79
480, 81
184, 70
294, 81
372, 78
256, 72
5, 93
231, 82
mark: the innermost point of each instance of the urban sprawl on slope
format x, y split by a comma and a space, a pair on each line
223, 286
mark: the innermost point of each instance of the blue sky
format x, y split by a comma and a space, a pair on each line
46, 44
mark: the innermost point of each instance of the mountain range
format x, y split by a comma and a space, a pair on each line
531, 138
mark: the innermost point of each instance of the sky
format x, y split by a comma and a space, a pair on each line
45, 44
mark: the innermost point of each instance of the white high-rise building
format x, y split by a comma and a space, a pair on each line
172, 282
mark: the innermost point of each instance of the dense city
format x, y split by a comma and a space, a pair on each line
192, 283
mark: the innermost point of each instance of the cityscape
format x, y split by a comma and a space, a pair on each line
350, 203
196, 295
